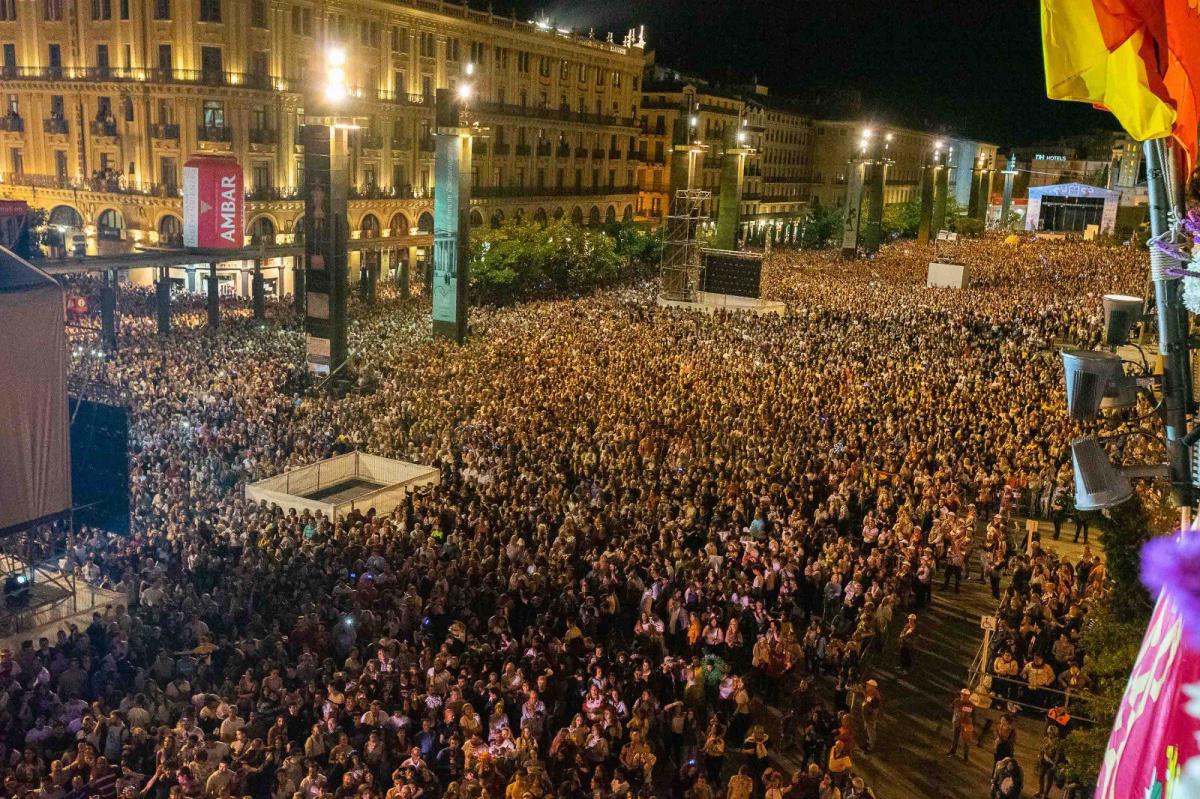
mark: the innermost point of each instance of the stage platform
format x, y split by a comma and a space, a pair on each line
54, 606
711, 303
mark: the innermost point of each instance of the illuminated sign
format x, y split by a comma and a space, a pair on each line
1040, 157
213, 204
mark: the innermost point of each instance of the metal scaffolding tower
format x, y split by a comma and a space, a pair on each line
681, 264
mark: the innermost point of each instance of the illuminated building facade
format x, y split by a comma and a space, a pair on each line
105, 100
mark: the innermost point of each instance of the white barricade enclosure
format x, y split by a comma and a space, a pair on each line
344, 483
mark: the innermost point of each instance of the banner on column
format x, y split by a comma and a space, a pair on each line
319, 254
447, 175
850, 222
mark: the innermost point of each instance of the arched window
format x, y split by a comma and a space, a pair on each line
539, 216
497, 218
262, 231
594, 216
170, 231
370, 227
627, 214
577, 215
610, 215
476, 218
110, 224
399, 225
425, 223
66, 217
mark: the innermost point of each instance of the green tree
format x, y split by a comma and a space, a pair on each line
820, 227
525, 260
901, 220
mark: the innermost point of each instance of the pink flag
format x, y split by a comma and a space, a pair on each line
1154, 735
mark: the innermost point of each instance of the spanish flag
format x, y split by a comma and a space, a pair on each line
1140, 59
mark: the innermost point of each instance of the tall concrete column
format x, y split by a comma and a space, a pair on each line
214, 298
873, 230
108, 311
1010, 175
258, 291
408, 265
926, 218
162, 295
941, 196
733, 170
298, 287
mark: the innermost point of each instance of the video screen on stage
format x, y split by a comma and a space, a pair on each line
736, 273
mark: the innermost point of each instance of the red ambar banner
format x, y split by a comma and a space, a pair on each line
213, 204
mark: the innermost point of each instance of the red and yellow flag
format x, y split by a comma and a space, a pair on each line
1140, 59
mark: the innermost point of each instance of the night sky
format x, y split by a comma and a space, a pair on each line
970, 66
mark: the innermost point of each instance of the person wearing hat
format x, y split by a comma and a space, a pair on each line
907, 639
872, 703
962, 721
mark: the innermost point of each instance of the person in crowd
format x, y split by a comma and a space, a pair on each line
650, 526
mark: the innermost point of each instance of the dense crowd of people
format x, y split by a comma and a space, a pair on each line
657, 533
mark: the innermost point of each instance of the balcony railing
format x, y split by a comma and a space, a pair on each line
56, 125
371, 141
614, 154
563, 151
427, 145
557, 114
479, 148
120, 185
401, 143
751, 196
581, 152
635, 155
502, 148
598, 153
138, 75
405, 192
217, 133
523, 149
266, 193
164, 130
12, 124
263, 136
103, 127
543, 150
493, 192
398, 97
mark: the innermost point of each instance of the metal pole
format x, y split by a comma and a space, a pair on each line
926, 218
214, 298
1172, 324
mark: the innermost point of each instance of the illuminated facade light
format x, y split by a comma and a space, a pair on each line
464, 91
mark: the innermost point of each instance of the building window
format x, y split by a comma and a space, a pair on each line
214, 114
124, 9
477, 49
302, 21
522, 62
101, 9
52, 10
258, 13
452, 49
162, 9
60, 164
262, 176
167, 173
210, 10
400, 40
427, 45
10, 57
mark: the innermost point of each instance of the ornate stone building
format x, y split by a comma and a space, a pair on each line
105, 100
